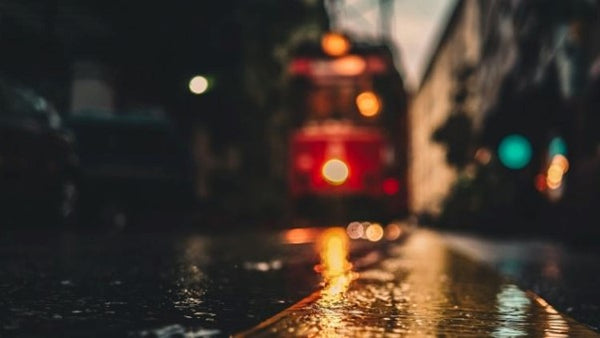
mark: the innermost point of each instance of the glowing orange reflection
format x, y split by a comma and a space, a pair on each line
299, 236
556, 326
335, 267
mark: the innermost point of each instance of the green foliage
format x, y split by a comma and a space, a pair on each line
455, 134
482, 196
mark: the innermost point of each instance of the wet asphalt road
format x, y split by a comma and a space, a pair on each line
126, 284
421, 288
184, 284
567, 276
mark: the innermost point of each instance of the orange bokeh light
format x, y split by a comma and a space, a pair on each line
299, 236
392, 231
483, 156
374, 232
368, 104
558, 167
561, 161
349, 65
335, 44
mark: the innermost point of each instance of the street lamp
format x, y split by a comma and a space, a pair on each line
198, 85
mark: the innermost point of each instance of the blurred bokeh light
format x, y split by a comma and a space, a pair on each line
198, 85
335, 171
368, 104
335, 44
515, 151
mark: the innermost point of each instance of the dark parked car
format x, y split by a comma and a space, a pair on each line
131, 164
38, 164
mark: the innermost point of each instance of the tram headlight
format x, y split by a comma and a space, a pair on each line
335, 171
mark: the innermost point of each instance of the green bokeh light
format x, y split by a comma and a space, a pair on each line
557, 146
514, 151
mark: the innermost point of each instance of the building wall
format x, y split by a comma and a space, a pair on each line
430, 177
499, 42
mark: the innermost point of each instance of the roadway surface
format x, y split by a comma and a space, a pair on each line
300, 282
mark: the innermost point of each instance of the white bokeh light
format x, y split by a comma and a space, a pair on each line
198, 84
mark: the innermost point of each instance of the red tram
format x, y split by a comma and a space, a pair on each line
349, 134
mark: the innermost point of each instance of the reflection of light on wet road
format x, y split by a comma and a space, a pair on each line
190, 285
419, 288
337, 275
556, 326
512, 311
334, 267
424, 287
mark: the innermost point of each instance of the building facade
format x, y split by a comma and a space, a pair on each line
430, 177
509, 67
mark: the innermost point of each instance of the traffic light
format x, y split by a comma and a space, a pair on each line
514, 151
557, 146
